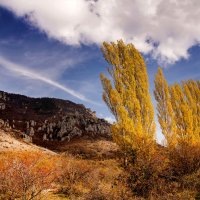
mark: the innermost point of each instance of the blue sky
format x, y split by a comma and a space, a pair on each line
41, 55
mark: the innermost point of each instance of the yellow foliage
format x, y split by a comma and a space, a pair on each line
127, 96
192, 94
164, 108
183, 115
178, 110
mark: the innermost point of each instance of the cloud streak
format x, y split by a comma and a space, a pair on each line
22, 71
165, 29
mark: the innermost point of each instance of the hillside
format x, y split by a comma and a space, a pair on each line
90, 167
68, 134
8, 142
49, 119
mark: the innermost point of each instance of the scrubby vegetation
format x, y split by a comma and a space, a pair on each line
90, 173
26, 174
93, 173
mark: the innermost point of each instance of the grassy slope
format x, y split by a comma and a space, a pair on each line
92, 171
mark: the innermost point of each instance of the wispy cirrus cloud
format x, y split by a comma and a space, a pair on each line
20, 70
166, 29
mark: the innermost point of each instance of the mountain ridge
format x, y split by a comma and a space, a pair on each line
49, 119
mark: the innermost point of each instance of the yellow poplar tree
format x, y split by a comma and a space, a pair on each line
178, 109
185, 103
128, 98
192, 94
164, 108
183, 115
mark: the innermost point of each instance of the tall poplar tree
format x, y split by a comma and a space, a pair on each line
178, 109
127, 96
192, 95
164, 108
183, 115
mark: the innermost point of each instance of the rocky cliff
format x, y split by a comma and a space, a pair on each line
49, 119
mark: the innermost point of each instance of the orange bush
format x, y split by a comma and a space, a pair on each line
26, 174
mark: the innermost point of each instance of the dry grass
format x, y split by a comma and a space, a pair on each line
91, 170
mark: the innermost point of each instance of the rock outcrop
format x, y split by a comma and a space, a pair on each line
49, 119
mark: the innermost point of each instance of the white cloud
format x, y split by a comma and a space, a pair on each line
172, 25
110, 119
23, 71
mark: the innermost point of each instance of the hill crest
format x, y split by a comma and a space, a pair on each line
49, 119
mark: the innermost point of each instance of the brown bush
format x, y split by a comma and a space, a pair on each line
89, 179
166, 175
146, 175
26, 174
185, 159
